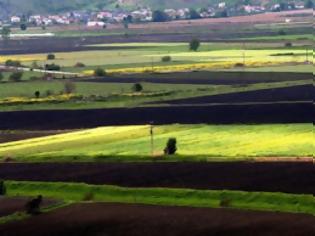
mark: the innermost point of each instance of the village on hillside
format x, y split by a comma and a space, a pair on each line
145, 14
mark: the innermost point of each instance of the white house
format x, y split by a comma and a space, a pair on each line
15, 19
95, 24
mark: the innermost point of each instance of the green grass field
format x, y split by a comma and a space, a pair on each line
76, 192
132, 55
195, 142
20, 96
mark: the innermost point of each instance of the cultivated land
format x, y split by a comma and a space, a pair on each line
133, 143
241, 109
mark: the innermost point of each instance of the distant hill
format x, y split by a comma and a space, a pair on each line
9, 7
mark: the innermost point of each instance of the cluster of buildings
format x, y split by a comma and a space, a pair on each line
102, 18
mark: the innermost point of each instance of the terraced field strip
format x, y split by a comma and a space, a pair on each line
77, 192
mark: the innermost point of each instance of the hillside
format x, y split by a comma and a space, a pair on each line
56, 6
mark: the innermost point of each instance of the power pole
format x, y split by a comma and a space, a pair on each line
244, 55
152, 138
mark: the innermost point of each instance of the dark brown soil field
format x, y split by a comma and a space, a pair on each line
296, 93
207, 77
9, 136
210, 114
247, 176
14, 204
138, 220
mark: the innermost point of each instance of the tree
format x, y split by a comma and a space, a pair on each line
137, 87
13, 63
5, 33
33, 206
16, 76
23, 26
2, 188
69, 87
170, 148
194, 45
166, 59
51, 56
52, 67
99, 72
193, 14
125, 23
309, 4
159, 16
37, 94
1, 76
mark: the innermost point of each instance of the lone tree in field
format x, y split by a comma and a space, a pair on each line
16, 76
99, 72
23, 26
33, 206
51, 56
69, 87
5, 33
194, 45
37, 94
137, 87
2, 188
170, 148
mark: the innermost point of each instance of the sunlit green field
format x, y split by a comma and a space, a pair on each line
130, 143
128, 55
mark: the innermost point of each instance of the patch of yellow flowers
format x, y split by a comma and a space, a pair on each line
26, 100
186, 67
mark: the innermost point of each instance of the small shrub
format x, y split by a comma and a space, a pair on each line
49, 93
52, 67
37, 94
51, 56
89, 196
69, 87
13, 63
282, 32
170, 148
99, 72
79, 65
194, 45
224, 202
3, 189
166, 59
239, 65
288, 44
16, 76
137, 87
33, 206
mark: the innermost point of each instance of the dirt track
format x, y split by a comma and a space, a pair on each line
133, 220
265, 176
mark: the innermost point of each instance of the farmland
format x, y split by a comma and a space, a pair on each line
250, 141
96, 146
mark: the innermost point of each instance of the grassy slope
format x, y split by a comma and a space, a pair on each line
166, 196
195, 142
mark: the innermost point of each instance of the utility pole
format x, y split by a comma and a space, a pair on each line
152, 138
244, 55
